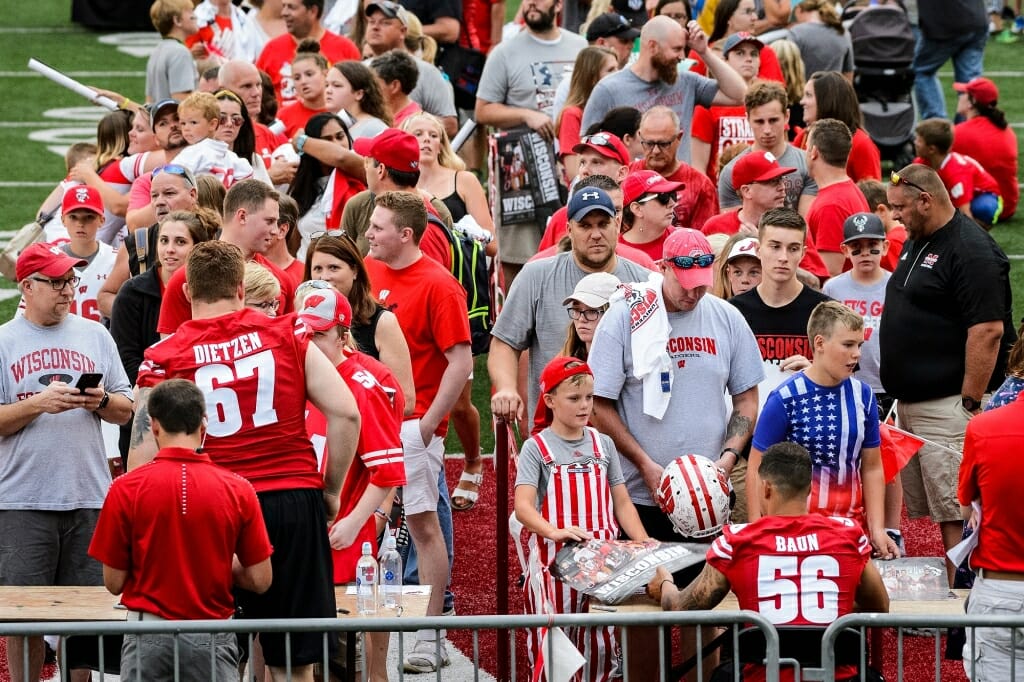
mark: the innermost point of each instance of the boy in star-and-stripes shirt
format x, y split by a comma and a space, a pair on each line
835, 416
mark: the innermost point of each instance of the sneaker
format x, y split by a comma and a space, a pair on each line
897, 537
423, 657
448, 612
1006, 36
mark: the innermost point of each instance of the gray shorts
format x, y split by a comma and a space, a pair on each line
151, 657
48, 548
988, 653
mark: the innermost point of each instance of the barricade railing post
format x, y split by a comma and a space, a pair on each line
501, 457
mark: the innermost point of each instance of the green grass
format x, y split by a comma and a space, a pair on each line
71, 48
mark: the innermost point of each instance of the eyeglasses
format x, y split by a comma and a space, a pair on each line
59, 284
235, 119
589, 314
175, 169
265, 306
686, 262
660, 144
664, 198
896, 179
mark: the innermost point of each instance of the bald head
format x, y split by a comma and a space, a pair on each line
660, 115
243, 79
660, 29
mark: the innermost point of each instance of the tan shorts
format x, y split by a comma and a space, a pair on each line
930, 477
518, 243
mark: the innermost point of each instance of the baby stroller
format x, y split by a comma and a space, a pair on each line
883, 55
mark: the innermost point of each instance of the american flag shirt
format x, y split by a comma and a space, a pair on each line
834, 423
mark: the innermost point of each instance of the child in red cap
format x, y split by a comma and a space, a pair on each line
570, 487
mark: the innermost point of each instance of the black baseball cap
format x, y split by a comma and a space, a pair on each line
611, 24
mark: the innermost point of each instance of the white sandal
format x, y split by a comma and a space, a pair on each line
470, 496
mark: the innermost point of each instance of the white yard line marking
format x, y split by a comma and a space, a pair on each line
77, 74
42, 29
24, 183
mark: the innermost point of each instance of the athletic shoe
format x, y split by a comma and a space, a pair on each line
423, 657
1006, 36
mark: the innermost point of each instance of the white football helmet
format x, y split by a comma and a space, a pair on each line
694, 493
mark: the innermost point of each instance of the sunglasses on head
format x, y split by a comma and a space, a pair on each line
686, 262
664, 198
337, 234
175, 169
896, 180
598, 139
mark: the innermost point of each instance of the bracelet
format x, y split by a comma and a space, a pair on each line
125, 103
380, 512
662, 586
300, 142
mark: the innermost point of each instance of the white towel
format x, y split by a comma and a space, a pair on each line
649, 331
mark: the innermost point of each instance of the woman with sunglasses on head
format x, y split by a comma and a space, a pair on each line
353, 89
309, 73
337, 261
828, 94
320, 190
648, 200
592, 64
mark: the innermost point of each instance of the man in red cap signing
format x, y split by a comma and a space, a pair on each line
53, 463
392, 162
664, 355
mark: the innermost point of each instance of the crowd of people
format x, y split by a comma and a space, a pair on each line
272, 236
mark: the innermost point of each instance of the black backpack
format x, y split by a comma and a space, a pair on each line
469, 266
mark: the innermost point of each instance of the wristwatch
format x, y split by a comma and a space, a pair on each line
104, 401
733, 451
970, 404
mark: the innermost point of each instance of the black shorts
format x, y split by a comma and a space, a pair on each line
303, 583
658, 526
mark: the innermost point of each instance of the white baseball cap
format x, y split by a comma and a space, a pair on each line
594, 290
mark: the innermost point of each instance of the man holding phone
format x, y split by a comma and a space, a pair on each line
53, 463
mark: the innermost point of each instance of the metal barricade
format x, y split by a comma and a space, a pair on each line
862, 621
511, 625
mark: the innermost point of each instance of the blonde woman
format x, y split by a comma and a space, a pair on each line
794, 76
262, 290
592, 64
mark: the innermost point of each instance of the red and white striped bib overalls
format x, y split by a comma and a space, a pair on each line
578, 494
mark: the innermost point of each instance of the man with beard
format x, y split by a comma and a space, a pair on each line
944, 337
534, 317
655, 79
660, 135
163, 117
517, 88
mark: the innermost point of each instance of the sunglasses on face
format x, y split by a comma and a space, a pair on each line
234, 119
686, 262
664, 198
896, 179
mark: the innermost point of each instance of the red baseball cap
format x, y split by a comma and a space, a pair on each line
757, 166
555, 372
82, 196
46, 259
396, 149
982, 90
324, 309
605, 144
685, 242
639, 183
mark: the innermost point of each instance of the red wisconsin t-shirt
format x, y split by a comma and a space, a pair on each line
793, 570
278, 53
174, 525
176, 309
252, 370
430, 305
378, 458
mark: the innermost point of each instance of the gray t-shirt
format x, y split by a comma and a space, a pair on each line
821, 48
433, 92
625, 89
534, 318
714, 353
170, 69
797, 184
867, 301
524, 71
57, 462
531, 470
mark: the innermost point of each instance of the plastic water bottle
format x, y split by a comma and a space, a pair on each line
366, 582
391, 574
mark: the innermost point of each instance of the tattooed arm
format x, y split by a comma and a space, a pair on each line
703, 594
740, 428
142, 447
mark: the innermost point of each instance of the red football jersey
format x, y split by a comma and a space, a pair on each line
252, 370
379, 451
793, 570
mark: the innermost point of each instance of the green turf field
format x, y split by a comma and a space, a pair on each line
37, 115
